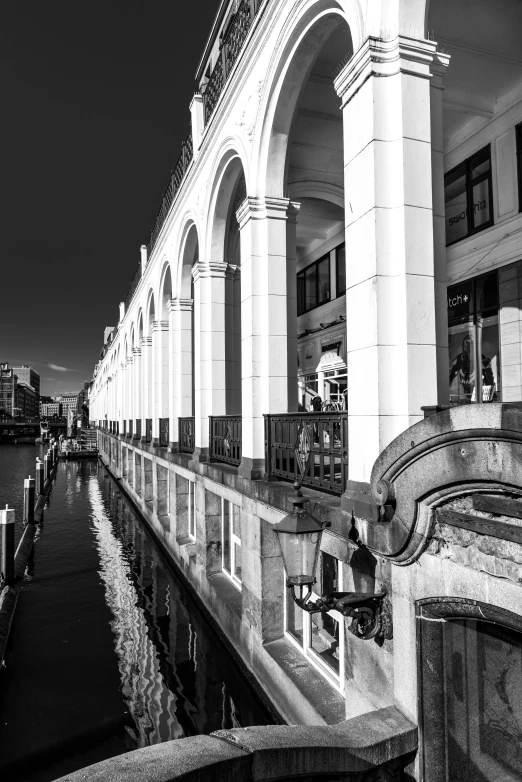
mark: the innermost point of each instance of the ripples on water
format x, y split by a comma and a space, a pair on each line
102, 587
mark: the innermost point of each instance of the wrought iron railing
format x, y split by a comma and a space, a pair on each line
129, 431
134, 284
124, 428
310, 446
176, 179
138, 428
234, 37
187, 434
148, 430
163, 432
225, 438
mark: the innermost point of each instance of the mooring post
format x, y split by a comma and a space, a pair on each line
50, 454
7, 522
47, 471
29, 500
40, 476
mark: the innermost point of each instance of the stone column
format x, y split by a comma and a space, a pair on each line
268, 320
209, 348
128, 392
181, 395
438, 70
390, 291
136, 389
146, 366
121, 395
160, 381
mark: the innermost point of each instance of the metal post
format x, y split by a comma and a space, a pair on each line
7, 523
40, 476
29, 500
47, 471
50, 456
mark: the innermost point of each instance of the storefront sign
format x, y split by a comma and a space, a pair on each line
332, 346
460, 300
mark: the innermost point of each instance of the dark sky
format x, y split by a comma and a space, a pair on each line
95, 106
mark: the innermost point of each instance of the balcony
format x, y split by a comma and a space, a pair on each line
163, 432
187, 434
310, 446
225, 439
234, 34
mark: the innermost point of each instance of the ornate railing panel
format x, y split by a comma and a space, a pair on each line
233, 39
138, 428
148, 430
175, 181
310, 446
163, 432
187, 434
225, 438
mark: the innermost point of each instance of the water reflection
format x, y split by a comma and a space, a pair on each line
175, 678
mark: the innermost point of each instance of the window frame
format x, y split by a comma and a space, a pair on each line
471, 182
518, 137
342, 292
234, 540
305, 648
302, 273
472, 320
191, 511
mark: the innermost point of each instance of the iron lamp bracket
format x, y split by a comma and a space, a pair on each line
370, 614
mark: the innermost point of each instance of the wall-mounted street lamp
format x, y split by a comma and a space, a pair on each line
299, 535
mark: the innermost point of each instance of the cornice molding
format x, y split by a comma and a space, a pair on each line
382, 59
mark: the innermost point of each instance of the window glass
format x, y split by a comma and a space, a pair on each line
323, 280
301, 302
481, 213
467, 195
462, 363
482, 679
456, 206
324, 628
294, 618
237, 560
311, 287
226, 535
340, 269
474, 338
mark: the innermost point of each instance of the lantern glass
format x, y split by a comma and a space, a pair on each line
300, 551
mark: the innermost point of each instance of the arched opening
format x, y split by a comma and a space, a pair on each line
225, 247
477, 171
185, 374
166, 293
469, 658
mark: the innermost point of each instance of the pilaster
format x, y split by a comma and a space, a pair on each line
181, 400
390, 292
268, 320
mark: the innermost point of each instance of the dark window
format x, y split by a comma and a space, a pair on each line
473, 338
340, 270
468, 197
313, 285
518, 130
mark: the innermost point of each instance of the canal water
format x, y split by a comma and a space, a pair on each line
108, 652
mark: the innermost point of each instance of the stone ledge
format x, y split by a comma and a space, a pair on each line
226, 590
381, 738
326, 705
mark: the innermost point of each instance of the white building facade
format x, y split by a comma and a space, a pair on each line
344, 223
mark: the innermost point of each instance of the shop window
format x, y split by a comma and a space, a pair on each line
231, 540
474, 341
518, 131
470, 693
320, 636
313, 285
340, 270
468, 197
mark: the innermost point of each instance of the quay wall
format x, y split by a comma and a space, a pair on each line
166, 488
